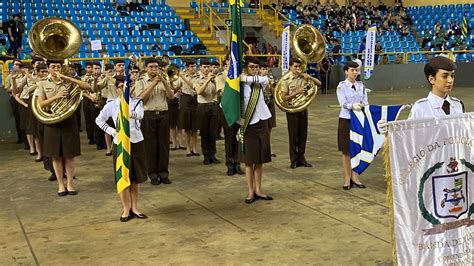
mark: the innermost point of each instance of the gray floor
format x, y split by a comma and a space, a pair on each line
201, 218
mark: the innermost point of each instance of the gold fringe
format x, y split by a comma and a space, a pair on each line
388, 179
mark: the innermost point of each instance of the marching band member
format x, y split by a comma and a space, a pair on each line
106, 84
187, 116
138, 172
220, 83
97, 104
256, 147
173, 108
205, 87
297, 122
61, 140
351, 95
16, 72
87, 104
269, 92
154, 90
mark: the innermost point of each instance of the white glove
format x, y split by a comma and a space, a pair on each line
357, 106
382, 125
114, 133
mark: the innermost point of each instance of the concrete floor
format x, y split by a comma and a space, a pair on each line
201, 218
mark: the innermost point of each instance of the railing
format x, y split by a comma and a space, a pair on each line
276, 15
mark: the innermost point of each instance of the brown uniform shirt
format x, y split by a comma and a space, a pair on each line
292, 83
47, 88
30, 86
9, 84
185, 88
209, 94
157, 100
107, 87
220, 81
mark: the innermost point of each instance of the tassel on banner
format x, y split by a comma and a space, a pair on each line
388, 179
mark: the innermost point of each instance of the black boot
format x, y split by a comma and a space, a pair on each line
213, 159
52, 177
238, 170
207, 160
230, 170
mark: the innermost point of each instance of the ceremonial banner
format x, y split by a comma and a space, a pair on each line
369, 61
431, 175
230, 101
285, 48
123, 162
365, 139
465, 27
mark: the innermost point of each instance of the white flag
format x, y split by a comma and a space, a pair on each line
369, 61
285, 48
432, 170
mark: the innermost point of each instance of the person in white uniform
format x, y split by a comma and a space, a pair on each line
351, 95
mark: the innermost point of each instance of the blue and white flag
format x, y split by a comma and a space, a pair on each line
365, 138
369, 61
285, 48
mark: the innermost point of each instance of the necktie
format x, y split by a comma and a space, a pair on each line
445, 107
354, 87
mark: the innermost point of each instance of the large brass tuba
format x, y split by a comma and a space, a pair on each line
56, 39
308, 45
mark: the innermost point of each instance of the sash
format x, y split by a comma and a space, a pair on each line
254, 95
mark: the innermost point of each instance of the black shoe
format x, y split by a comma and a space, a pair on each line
100, 147
346, 187
206, 160
27, 147
293, 165
108, 154
263, 197
33, 153
165, 180
62, 194
39, 160
230, 171
273, 155
52, 177
249, 201
19, 141
182, 148
138, 215
72, 192
196, 153
304, 163
213, 159
91, 142
220, 137
126, 218
155, 181
238, 170
357, 185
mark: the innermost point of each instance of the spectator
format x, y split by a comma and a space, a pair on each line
384, 60
336, 49
426, 38
457, 28
399, 59
439, 40
362, 46
378, 50
15, 30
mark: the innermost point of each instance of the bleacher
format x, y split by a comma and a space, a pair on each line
425, 18
120, 35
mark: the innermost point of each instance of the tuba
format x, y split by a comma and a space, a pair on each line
56, 39
308, 45
172, 73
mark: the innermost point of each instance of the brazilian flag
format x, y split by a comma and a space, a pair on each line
122, 165
465, 26
230, 101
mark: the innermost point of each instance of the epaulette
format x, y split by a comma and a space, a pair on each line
455, 99
421, 100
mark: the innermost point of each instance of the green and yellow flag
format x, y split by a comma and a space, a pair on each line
122, 165
465, 26
230, 101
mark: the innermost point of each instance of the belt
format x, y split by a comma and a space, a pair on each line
188, 94
156, 112
208, 103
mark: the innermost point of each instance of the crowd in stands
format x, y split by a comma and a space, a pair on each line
357, 16
444, 37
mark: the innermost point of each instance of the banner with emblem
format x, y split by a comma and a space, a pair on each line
369, 59
285, 48
430, 178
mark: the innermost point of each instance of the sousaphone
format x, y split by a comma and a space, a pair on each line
309, 45
56, 39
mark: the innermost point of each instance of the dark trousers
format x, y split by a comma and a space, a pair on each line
231, 144
98, 133
324, 83
14, 45
207, 115
220, 119
88, 109
16, 115
298, 133
156, 131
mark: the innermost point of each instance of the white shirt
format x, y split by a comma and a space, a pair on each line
347, 96
431, 106
261, 110
111, 109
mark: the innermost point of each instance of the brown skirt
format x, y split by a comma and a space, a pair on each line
257, 144
62, 139
138, 171
187, 118
173, 110
272, 121
33, 123
23, 111
343, 135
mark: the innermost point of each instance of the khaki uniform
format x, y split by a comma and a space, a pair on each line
297, 122
88, 109
207, 116
155, 127
15, 106
60, 139
187, 118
